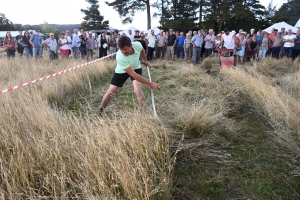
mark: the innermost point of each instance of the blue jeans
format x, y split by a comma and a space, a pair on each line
28, 51
196, 54
287, 51
180, 50
150, 53
37, 51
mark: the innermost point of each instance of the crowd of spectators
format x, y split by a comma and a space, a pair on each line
192, 46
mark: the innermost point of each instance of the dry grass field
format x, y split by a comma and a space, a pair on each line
231, 134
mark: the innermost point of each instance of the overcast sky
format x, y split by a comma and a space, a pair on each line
68, 12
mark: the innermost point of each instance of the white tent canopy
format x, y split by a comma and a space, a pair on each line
281, 25
13, 33
156, 30
126, 30
297, 25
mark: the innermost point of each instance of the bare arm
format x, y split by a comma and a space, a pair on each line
143, 55
20, 41
139, 78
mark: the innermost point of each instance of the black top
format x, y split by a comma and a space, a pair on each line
17, 39
141, 41
253, 45
26, 41
84, 39
103, 41
171, 40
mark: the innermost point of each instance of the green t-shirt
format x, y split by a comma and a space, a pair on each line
133, 60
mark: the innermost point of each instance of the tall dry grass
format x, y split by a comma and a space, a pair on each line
48, 153
279, 109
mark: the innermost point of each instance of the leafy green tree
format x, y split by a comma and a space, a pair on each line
93, 19
288, 12
128, 8
6, 24
47, 29
177, 14
233, 14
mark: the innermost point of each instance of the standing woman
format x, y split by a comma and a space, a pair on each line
167, 34
10, 45
103, 45
63, 46
264, 46
252, 46
112, 44
217, 45
26, 44
96, 43
188, 47
239, 54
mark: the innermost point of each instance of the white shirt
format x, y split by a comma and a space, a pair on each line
69, 39
288, 37
131, 37
151, 39
65, 46
229, 40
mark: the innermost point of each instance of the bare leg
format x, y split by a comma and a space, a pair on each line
106, 98
139, 93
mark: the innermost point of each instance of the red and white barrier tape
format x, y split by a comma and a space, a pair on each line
53, 75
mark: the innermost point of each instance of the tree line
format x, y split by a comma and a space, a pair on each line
187, 15
204, 14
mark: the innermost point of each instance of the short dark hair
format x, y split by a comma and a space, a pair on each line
124, 41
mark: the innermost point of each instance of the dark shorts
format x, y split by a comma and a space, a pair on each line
296, 52
20, 49
83, 51
120, 79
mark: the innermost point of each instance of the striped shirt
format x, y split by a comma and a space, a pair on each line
52, 44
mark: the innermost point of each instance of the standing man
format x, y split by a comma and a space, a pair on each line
296, 50
180, 43
230, 40
130, 35
51, 45
203, 35
20, 46
76, 44
140, 39
151, 45
90, 45
171, 44
209, 42
36, 42
283, 31
128, 65
197, 42
83, 49
161, 42
288, 41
